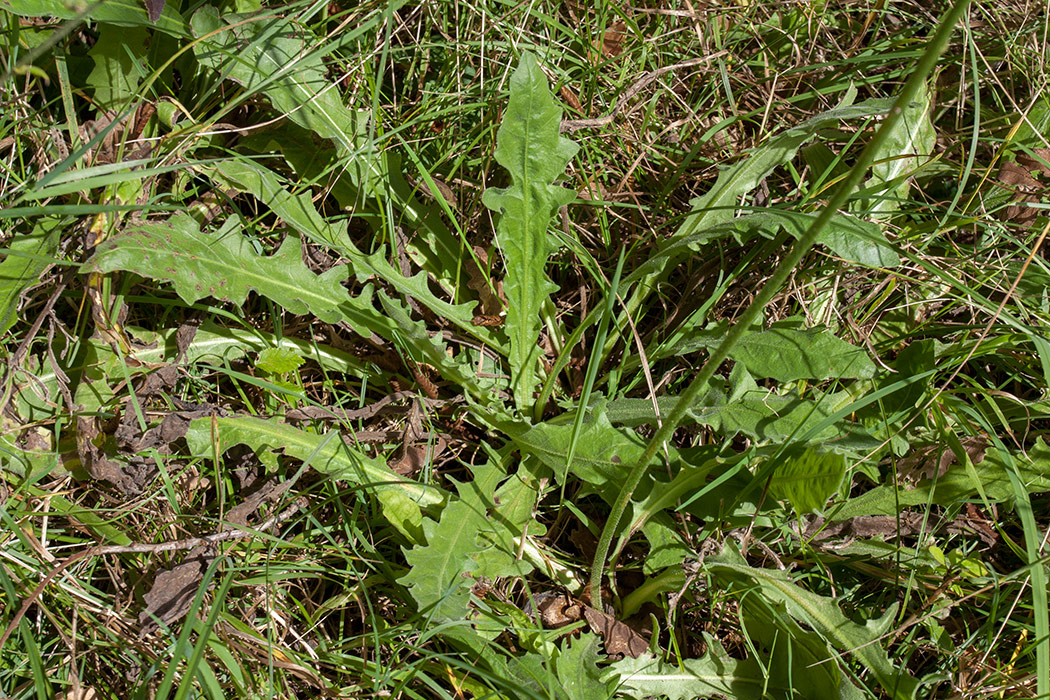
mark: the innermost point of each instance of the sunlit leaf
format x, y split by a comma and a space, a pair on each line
822, 615
530, 147
787, 354
807, 477
223, 265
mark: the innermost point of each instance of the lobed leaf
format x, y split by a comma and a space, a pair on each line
299, 212
332, 457
577, 668
283, 60
273, 55
477, 535
428, 349
530, 147
223, 265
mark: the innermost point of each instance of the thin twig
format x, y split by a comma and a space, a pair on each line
23, 348
138, 548
636, 87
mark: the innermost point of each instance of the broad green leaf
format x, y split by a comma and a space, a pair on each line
604, 454
336, 459
916, 363
299, 212
404, 514
822, 162
957, 485
501, 668
116, 77
822, 615
125, 13
578, 671
787, 354
715, 674
1032, 130
24, 259
858, 242
28, 450
471, 539
278, 360
720, 202
848, 237
792, 653
531, 148
672, 250
223, 265
667, 547
216, 346
909, 146
807, 478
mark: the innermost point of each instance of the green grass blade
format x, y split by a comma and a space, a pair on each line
786, 267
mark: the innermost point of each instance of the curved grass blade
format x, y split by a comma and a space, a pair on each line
787, 265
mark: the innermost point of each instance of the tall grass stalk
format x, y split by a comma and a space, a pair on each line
784, 270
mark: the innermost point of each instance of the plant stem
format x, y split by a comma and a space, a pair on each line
787, 266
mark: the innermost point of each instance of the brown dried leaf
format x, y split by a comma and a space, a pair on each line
153, 9
444, 192
173, 590
612, 40
130, 480
619, 639
931, 461
488, 321
1024, 179
184, 338
556, 610
491, 304
130, 129
972, 519
865, 527
158, 381
172, 428
267, 493
585, 541
570, 98
414, 457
